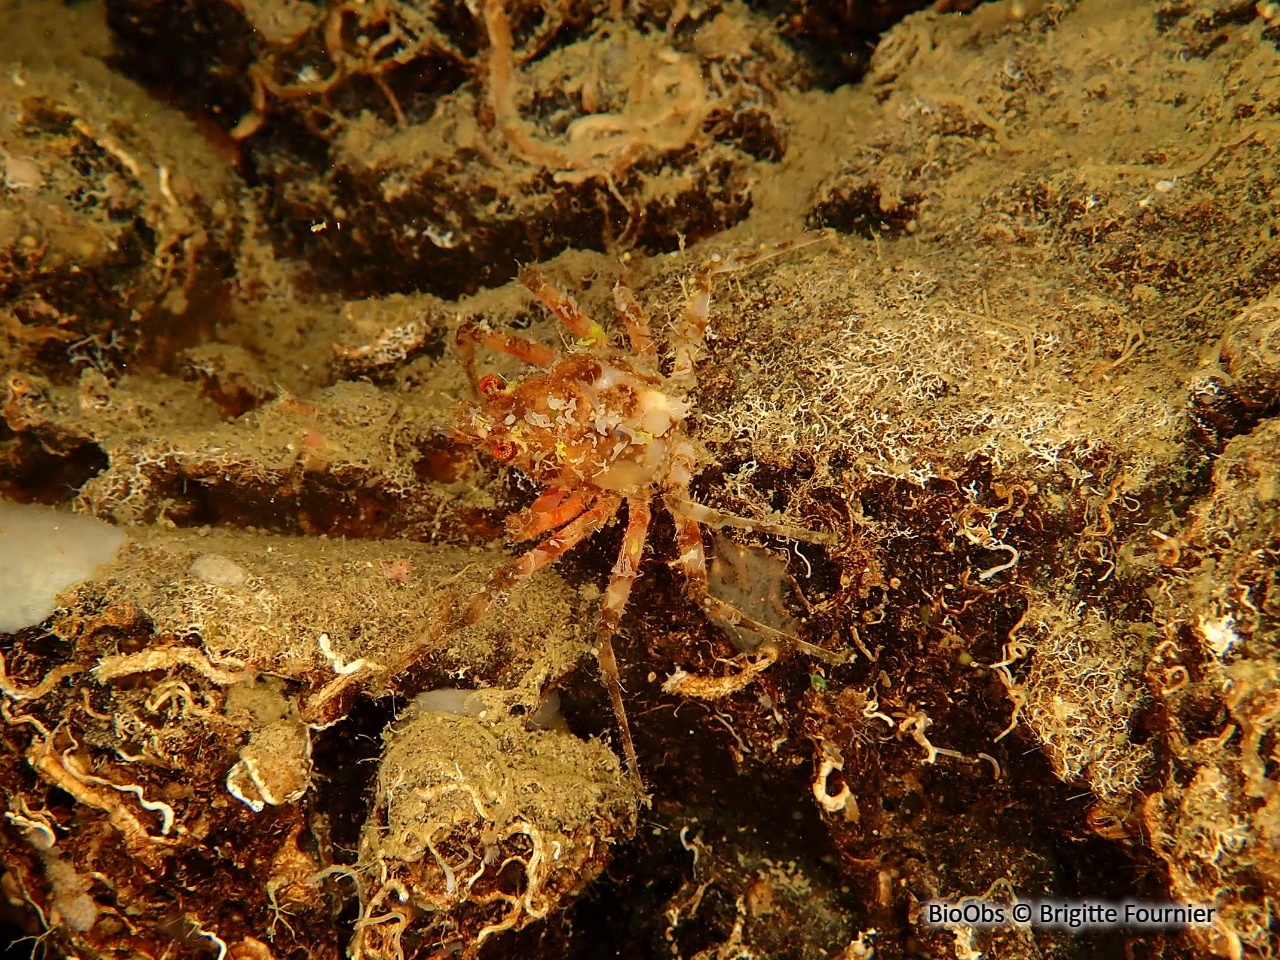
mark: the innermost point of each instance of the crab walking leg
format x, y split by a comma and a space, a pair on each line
615, 600
684, 461
728, 615
563, 306
635, 320
692, 560
718, 518
547, 552
553, 509
697, 312
693, 328
469, 334
693, 564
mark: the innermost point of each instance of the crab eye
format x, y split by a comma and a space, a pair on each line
503, 450
490, 384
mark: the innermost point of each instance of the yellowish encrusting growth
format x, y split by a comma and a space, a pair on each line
1080, 694
482, 825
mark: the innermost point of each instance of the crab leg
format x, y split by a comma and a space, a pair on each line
564, 307
547, 552
553, 509
717, 519
615, 600
693, 321
635, 320
469, 334
684, 461
693, 563
727, 615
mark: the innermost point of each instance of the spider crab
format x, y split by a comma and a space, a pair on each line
598, 426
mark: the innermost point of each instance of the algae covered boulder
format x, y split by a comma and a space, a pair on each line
482, 824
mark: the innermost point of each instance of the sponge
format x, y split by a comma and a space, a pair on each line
42, 553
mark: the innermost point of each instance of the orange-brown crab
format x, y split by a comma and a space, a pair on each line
597, 427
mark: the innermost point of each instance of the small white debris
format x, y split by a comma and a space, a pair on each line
1219, 633
341, 667
22, 173
218, 570
444, 239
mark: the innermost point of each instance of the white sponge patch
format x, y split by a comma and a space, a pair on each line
42, 553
